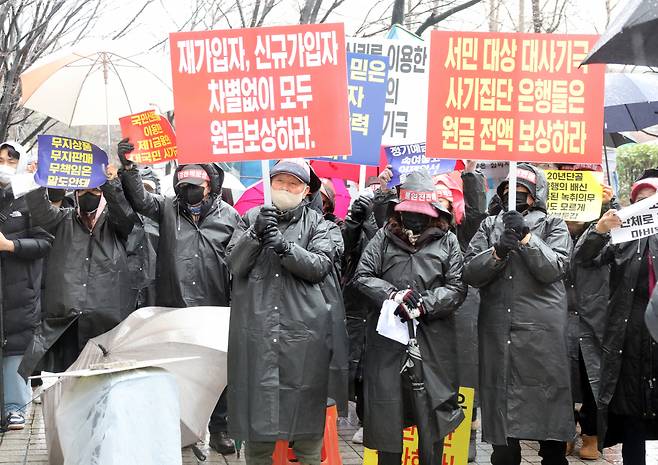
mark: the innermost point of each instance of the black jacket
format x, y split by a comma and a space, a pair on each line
434, 268
524, 366
87, 279
191, 267
280, 333
629, 362
21, 273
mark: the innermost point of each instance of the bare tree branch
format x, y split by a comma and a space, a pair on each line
333, 6
132, 20
437, 18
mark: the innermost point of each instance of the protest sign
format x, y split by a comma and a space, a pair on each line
638, 220
574, 195
152, 136
406, 159
517, 97
455, 444
405, 119
260, 93
67, 163
494, 172
366, 86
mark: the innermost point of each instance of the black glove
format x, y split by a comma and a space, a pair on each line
274, 239
265, 220
123, 148
508, 241
360, 208
410, 304
514, 220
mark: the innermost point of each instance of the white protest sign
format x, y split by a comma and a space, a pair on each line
405, 115
638, 220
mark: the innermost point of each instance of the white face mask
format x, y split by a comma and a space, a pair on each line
284, 200
6, 173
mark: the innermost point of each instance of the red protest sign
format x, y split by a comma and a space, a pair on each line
519, 97
152, 136
261, 93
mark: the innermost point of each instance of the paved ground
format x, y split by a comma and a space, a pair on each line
29, 447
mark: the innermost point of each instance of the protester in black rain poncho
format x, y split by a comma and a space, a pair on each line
587, 297
195, 228
280, 333
518, 259
475, 210
22, 246
87, 282
628, 392
142, 246
358, 228
416, 262
323, 202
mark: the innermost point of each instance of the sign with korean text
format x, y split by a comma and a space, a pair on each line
67, 163
510, 96
405, 159
638, 220
494, 171
455, 445
574, 195
366, 87
260, 93
405, 121
152, 136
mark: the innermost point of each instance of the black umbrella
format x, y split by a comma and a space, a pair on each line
631, 38
631, 101
430, 445
615, 139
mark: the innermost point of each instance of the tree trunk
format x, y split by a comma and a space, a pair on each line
307, 10
521, 25
398, 12
493, 15
536, 16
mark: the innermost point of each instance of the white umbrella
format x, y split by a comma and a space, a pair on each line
96, 84
196, 338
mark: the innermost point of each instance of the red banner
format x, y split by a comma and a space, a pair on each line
261, 93
510, 96
152, 136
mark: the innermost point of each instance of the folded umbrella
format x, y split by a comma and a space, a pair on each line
430, 445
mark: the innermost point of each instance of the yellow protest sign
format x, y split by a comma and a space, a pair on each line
574, 195
455, 445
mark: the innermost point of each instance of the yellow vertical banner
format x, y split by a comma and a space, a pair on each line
574, 195
455, 445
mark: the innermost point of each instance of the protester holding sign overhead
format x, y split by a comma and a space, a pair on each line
518, 259
415, 262
627, 399
279, 339
87, 284
195, 228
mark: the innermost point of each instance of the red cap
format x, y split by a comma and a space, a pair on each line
641, 184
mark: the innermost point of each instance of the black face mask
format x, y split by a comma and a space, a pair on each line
415, 222
191, 194
88, 202
56, 195
521, 201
